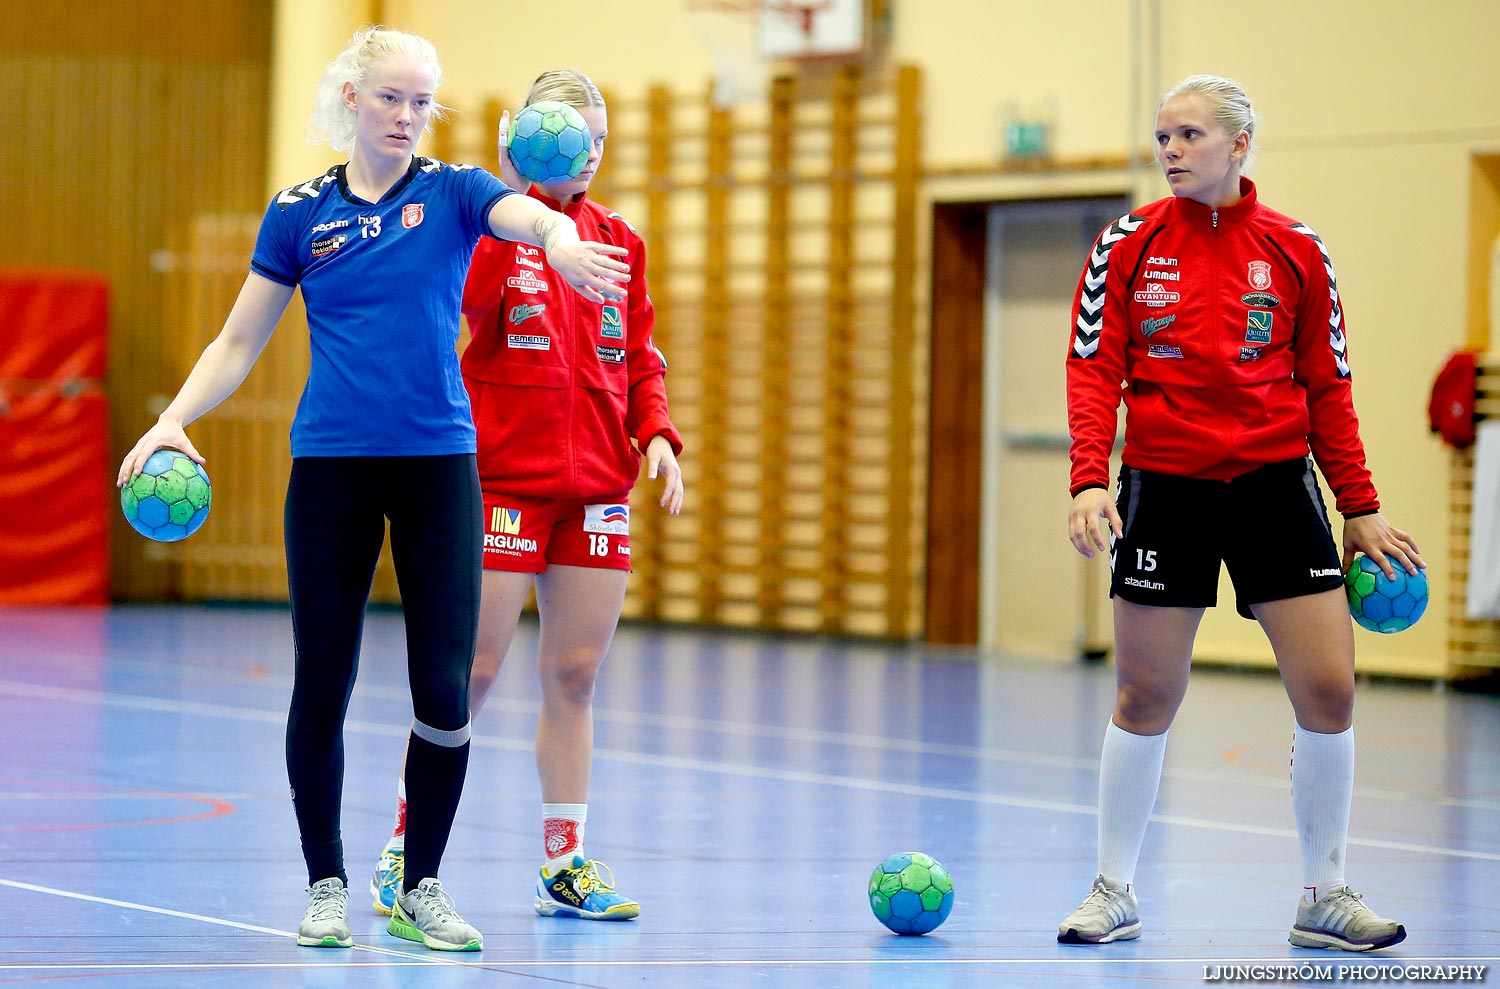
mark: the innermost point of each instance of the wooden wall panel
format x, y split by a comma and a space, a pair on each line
141, 117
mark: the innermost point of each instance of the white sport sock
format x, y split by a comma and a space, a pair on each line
562, 833
1129, 775
1322, 788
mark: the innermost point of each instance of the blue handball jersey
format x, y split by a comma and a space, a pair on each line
382, 284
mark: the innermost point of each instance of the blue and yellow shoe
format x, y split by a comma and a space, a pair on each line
386, 882
580, 891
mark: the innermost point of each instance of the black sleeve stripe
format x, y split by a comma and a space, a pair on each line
1091, 300
1336, 341
275, 276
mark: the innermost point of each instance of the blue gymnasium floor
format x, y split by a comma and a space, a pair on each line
744, 787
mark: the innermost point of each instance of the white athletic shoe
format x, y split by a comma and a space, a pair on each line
1108, 913
427, 914
326, 922
1339, 919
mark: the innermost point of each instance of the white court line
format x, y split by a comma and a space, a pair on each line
166, 912
1283, 961
1237, 777
749, 729
138, 702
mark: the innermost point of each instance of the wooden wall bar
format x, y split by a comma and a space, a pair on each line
1473, 646
138, 117
782, 263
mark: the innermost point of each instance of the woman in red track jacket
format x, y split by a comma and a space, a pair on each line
1219, 322
566, 395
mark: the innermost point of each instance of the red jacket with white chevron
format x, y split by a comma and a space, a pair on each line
1224, 332
560, 385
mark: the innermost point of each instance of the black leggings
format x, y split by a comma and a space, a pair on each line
336, 510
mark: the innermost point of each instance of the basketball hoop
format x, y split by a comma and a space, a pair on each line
728, 30
802, 14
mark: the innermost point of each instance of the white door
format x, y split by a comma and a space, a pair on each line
1037, 595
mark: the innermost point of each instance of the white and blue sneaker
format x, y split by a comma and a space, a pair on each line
580, 891
385, 885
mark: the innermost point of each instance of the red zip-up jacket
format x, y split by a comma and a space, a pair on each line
1224, 331
560, 385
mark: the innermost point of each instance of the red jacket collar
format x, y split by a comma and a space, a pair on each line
570, 208
1195, 212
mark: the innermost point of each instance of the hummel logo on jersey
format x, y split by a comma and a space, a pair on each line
307, 190
529, 263
520, 314
1331, 572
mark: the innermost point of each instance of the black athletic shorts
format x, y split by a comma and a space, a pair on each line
1269, 527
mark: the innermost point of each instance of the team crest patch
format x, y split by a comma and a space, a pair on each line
1260, 275
1258, 326
611, 325
411, 214
613, 519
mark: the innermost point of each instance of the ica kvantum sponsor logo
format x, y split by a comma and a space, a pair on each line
526, 281
1155, 296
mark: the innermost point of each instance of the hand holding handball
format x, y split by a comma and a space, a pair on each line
1382, 604
911, 893
549, 142
169, 499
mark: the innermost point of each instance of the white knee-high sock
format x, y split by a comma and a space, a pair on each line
1129, 776
1322, 788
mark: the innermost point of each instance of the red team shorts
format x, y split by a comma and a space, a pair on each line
526, 535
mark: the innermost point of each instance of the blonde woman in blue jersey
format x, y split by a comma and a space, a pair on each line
379, 247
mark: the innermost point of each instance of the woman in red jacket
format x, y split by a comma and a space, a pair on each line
1222, 318
566, 396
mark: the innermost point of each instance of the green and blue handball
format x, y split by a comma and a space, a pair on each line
911, 893
549, 142
1383, 604
169, 499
